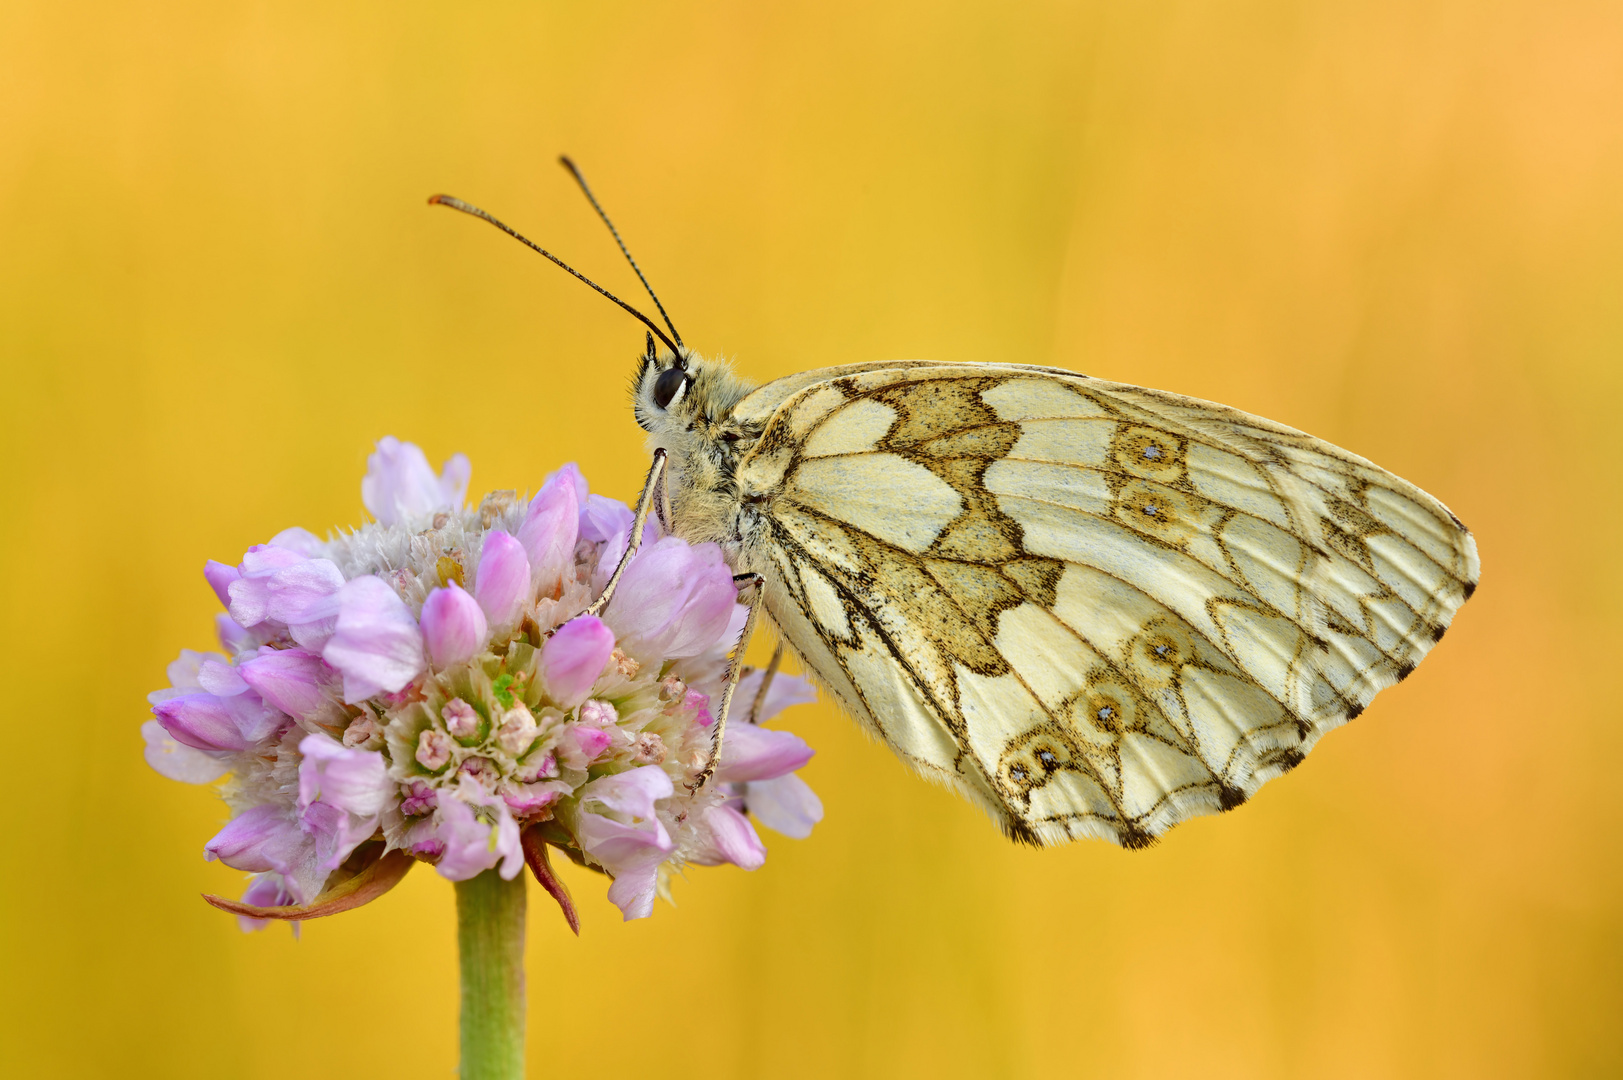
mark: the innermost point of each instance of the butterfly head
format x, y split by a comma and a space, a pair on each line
678, 394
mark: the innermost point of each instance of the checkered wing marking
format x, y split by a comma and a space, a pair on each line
1094, 609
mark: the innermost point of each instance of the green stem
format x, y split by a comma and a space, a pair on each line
490, 937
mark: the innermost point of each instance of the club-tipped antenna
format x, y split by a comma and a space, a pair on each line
469, 208
563, 159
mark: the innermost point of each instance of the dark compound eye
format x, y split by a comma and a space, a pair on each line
668, 385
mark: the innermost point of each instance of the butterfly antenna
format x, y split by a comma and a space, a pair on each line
574, 171
469, 208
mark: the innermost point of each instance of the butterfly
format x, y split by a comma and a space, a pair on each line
1093, 609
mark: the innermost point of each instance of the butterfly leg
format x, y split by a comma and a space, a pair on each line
652, 487
735, 668
766, 684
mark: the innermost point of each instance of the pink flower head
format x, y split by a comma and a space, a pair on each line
502, 584
454, 626
674, 600
574, 657
376, 645
400, 485
448, 762
617, 825
550, 530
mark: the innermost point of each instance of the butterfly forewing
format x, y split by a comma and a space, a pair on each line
1094, 609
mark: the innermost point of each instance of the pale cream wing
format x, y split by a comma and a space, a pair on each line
1094, 609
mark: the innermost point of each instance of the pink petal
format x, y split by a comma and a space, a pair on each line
734, 838
674, 600
756, 753
581, 744
201, 721
602, 517
178, 761
295, 681
472, 846
303, 592
399, 483
220, 576
574, 657
233, 637
502, 584
183, 670
632, 792
257, 839
549, 532
303, 541
569, 473
265, 890
250, 593
454, 476
220, 678
454, 626
786, 805
786, 690
376, 645
335, 833
634, 888
525, 800
356, 781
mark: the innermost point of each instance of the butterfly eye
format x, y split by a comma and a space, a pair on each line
669, 386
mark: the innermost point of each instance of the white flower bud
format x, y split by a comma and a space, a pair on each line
363, 733
460, 719
433, 749
516, 731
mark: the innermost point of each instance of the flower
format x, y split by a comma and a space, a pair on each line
400, 486
675, 600
619, 827
454, 626
368, 701
551, 528
503, 585
377, 645
574, 657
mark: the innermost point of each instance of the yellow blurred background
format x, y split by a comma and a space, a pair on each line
1396, 224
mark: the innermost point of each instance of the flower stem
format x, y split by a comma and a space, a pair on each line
490, 938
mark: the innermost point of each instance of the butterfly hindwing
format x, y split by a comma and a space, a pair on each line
1096, 610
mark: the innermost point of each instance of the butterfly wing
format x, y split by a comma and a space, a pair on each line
1094, 609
